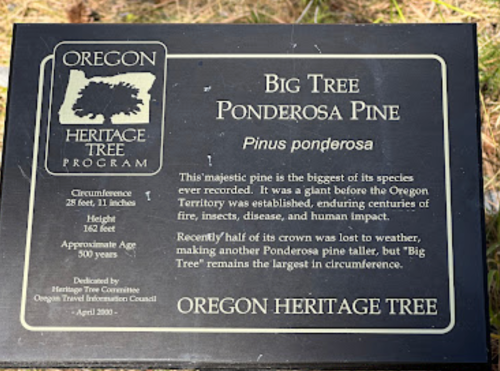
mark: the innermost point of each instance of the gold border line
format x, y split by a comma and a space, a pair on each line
34, 167
449, 223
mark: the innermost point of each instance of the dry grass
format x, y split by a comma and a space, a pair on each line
485, 12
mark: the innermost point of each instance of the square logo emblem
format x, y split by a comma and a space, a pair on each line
107, 108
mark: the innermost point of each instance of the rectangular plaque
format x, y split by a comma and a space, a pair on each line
243, 196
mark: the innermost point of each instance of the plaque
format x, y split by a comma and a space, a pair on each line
243, 196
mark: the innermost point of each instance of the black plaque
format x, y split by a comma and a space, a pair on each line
243, 196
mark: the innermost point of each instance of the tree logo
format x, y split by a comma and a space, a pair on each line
100, 98
119, 99
107, 108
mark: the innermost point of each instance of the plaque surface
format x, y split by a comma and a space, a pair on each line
242, 196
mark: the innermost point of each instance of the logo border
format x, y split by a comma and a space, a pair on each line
164, 102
